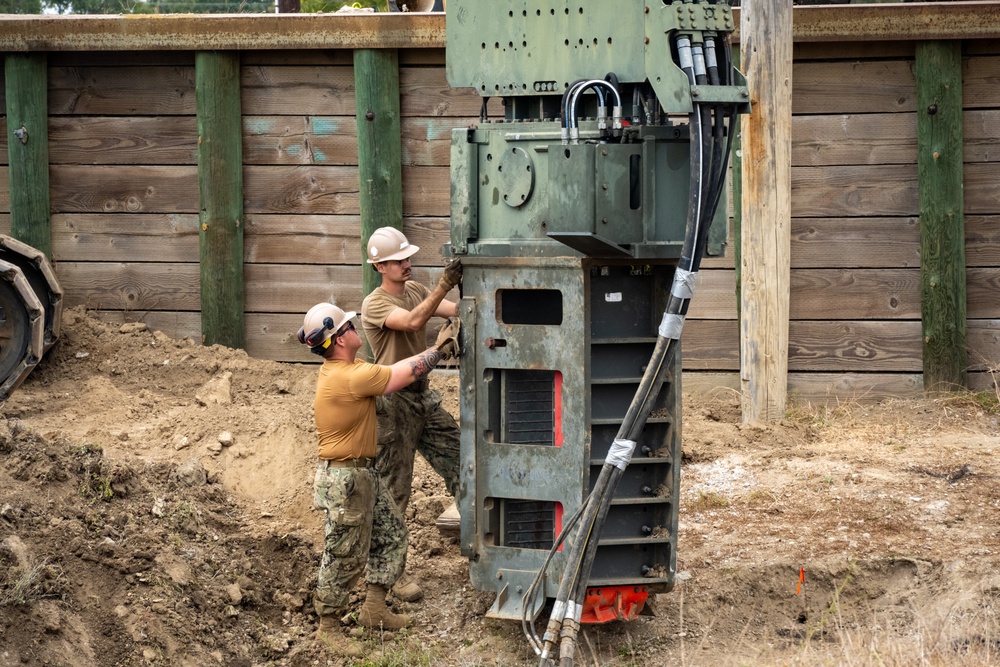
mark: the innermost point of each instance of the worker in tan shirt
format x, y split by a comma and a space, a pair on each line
363, 524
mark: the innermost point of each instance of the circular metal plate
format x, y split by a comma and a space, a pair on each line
515, 177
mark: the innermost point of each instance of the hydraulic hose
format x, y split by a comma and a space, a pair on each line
708, 164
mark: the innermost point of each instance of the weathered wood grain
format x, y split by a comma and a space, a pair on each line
983, 292
855, 242
827, 51
982, 240
321, 140
122, 90
426, 191
853, 139
982, 143
854, 191
980, 82
424, 91
130, 286
125, 237
297, 91
156, 140
124, 189
877, 294
984, 345
855, 86
304, 189
982, 197
854, 345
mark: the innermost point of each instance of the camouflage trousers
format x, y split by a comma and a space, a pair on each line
410, 422
363, 526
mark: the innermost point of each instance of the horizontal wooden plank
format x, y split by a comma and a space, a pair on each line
824, 388
123, 140
5, 189
855, 345
714, 296
855, 294
323, 140
424, 91
853, 50
310, 90
855, 242
711, 345
982, 240
426, 191
814, 388
131, 287
124, 237
982, 292
121, 90
123, 189
332, 239
979, 82
982, 197
855, 86
983, 338
862, 190
325, 57
136, 58
302, 189
853, 138
980, 142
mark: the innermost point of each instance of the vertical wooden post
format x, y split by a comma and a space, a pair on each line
376, 90
28, 148
766, 41
220, 186
737, 176
942, 223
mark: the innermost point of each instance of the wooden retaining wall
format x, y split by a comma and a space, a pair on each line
124, 201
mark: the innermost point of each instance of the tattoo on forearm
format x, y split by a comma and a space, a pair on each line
425, 362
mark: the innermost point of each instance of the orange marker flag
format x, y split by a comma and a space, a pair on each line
802, 580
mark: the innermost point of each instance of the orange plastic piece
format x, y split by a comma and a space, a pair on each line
613, 603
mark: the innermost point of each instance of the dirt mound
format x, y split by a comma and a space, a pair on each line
155, 509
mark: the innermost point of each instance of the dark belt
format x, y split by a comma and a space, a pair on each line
418, 386
364, 462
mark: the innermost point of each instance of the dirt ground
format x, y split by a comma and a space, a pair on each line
155, 509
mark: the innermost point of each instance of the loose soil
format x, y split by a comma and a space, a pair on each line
155, 509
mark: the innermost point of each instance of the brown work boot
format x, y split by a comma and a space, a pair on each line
374, 613
331, 634
407, 589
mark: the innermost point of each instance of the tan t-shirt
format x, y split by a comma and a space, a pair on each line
345, 408
389, 345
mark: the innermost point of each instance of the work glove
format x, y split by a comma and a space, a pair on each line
452, 275
447, 338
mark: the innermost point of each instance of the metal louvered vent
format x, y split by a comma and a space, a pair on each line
529, 407
528, 524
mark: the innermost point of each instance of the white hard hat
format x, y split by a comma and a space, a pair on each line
321, 322
388, 243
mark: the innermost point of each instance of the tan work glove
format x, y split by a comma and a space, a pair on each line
452, 275
447, 338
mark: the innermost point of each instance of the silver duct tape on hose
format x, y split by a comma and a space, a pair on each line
684, 53
620, 453
670, 326
683, 285
574, 611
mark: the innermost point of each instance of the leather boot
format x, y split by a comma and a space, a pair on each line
407, 589
374, 613
333, 637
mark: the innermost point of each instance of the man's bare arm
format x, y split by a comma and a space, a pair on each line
412, 368
401, 319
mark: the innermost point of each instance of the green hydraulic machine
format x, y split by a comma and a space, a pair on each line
581, 216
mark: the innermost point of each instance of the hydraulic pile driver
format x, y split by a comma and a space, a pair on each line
581, 217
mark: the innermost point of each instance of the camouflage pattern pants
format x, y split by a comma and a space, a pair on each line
410, 422
362, 526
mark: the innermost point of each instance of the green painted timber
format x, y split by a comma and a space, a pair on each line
28, 148
376, 85
942, 227
220, 186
